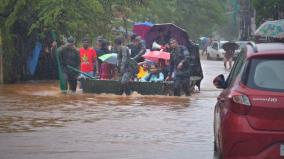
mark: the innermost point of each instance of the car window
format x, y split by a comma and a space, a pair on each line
215, 46
221, 44
236, 69
266, 74
242, 44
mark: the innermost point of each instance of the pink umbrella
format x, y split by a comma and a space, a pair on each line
156, 55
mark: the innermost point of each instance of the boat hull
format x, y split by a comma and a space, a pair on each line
145, 88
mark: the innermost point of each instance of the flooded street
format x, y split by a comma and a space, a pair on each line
37, 121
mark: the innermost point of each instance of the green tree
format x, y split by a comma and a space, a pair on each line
197, 17
268, 10
201, 17
24, 21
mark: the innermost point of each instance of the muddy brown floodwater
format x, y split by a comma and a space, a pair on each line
37, 121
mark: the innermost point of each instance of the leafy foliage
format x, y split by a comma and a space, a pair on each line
199, 18
267, 10
22, 22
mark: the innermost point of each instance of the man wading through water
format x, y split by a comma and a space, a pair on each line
70, 56
124, 69
179, 68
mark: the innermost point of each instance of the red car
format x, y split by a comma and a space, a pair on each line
249, 114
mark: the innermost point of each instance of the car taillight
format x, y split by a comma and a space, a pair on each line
240, 103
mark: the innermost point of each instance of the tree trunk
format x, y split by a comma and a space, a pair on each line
125, 27
1, 67
1, 62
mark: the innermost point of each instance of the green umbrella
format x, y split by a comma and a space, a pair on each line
109, 58
62, 81
273, 29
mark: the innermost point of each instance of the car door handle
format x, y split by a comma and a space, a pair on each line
220, 99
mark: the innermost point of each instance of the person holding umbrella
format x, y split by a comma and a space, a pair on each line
228, 57
229, 48
101, 48
108, 66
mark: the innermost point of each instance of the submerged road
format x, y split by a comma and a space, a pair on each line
36, 121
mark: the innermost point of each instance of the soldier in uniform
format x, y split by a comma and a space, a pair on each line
70, 56
124, 69
179, 68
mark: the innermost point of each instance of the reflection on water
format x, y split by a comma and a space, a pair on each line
37, 121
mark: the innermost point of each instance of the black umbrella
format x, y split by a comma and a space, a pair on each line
174, 32
230, 46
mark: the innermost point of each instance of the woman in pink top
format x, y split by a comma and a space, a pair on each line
106, 71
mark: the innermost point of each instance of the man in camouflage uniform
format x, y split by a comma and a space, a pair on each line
179, 68
124, 68
70, 56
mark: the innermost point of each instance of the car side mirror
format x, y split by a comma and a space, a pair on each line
219, 82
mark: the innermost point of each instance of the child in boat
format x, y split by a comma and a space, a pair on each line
164, 68
155, 75
115, 74
142, 70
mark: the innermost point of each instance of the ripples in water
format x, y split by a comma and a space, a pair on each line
37, 121
29, 107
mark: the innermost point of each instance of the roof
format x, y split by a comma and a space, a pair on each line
266, 49
241, 42
144, 23
221, 41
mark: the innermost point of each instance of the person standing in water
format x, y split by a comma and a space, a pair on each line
70, 57
228, 57
124, 69
179, 68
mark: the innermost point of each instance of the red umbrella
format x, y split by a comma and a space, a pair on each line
156, 55
141, 29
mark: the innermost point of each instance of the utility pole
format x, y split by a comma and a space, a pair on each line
245, 19
1, 62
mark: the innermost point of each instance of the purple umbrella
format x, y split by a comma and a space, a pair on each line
171, 30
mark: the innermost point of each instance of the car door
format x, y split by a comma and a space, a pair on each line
210, 49
218, 51
221, 108
214, 50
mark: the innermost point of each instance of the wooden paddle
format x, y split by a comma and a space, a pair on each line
77, 70
62, 81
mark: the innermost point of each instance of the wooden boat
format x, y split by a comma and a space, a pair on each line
150, 88
92, 85
145, 88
